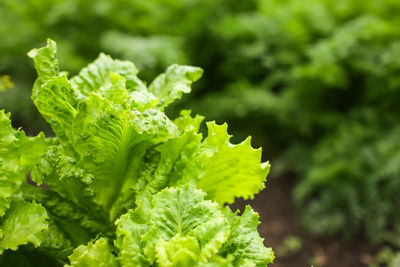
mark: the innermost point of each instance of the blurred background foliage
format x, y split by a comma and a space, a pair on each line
316, 82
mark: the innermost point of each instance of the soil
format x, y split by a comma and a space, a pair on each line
280, 220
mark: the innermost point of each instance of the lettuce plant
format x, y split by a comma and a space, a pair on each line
122, 184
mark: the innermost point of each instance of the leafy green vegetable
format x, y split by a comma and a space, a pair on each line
122, 184
96, 253
177, 227
244, 243
288, 71
21, 222
224, 165
104, 132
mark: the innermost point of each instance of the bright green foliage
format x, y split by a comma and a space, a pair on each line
179, 228
107, 137
21, 222
177, 80
223, 165
96, 253
289, 70
99, 180
18, 154
244, 243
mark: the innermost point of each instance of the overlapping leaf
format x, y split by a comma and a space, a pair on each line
117, 152
226, 171
112, 128
178, 227
21, 222
18, 154
96, 253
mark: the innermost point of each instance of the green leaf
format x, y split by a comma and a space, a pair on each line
214, 165
46, 63
178, 227
57, 101
22, 224
225, 171
183, 251
98, 76
96, 253
218, 262
55, 243
103, 131
165, 165
117, 150
77, 223
175, 219
169, 86
116, 81
18, 154
179, 251
112, 143
187, 123
244, 242
62, 173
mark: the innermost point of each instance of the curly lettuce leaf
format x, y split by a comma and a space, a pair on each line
56, 100
176, 219
225, 171
186, 123
169, 86
214, 165
112, 143
23, 223
218, 262
166, 163
55, 243
18, 154
63, 175
118, 151
78, 224
115, 131
46, 63
178, 227
116, 81
96, 253
244, 242
101, 127
97, 77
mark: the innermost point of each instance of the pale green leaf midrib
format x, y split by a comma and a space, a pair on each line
126, 145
